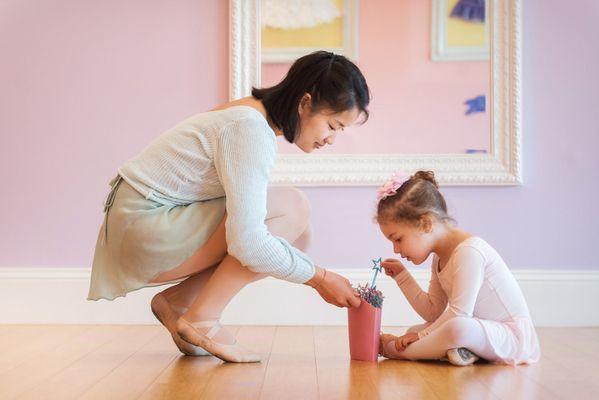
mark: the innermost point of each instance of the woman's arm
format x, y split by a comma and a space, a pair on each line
244, 155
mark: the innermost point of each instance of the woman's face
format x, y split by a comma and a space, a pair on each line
317, 129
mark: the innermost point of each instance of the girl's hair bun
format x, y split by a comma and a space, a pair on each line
427, 176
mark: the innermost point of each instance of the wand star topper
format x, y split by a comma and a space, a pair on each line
377, 268
369, 293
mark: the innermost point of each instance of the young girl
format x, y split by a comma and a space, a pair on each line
474, 306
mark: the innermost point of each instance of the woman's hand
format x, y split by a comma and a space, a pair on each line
402, 342
334, 288
392, 267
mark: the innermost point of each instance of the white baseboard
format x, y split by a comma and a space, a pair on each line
58, 296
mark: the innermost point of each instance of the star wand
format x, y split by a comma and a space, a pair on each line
377, 268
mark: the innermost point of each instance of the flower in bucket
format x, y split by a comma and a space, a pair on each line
369, 292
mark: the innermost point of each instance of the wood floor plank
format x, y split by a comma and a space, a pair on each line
123, 362
291, 371
71, 382
332, 363
508, 382
402, 379
562, 369
22, 343
592, 333
447, 381
132, 377
243, 381
46, 364
186, 378
341, 378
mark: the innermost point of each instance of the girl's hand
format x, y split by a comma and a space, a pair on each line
334, 288
402, 342
392, 267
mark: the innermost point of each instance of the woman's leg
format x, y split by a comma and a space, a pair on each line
288, 214
209, 255
454, 333
287, 217
181, 295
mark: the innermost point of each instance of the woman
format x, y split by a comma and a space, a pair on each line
195, 208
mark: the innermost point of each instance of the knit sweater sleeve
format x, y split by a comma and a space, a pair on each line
244, 155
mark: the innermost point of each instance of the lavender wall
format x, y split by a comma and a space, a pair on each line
85, 85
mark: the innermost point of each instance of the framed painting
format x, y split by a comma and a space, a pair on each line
460, 30
293, 28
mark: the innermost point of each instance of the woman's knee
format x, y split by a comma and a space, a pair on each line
304, 239
291, 205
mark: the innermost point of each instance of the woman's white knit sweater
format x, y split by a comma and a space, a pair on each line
227, 153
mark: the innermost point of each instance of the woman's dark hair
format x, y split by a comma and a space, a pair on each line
416, 197
332, 81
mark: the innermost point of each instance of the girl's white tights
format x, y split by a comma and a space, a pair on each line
454, 333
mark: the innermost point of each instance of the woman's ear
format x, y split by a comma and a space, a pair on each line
305, 104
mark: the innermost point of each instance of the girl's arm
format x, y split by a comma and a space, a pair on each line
428, 305
467, 269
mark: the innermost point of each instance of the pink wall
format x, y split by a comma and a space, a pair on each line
417, 103
85, 85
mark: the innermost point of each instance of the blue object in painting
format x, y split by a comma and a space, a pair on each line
469, 10
475, 105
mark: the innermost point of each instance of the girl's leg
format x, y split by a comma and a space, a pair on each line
456, 332
418, 328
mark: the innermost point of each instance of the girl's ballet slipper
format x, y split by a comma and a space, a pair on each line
168, 317
461, 357
195, 334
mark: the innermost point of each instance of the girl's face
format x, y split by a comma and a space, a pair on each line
414, 243
317, 129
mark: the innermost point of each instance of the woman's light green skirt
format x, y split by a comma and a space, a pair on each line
140, 239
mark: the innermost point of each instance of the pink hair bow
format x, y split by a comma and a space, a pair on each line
390, 187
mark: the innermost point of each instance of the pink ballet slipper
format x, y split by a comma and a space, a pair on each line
164, 313
192, 332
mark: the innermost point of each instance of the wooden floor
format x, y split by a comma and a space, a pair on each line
129, 362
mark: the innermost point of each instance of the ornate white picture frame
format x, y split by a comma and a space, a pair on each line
501, 166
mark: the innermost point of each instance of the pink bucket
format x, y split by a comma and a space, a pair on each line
364, 325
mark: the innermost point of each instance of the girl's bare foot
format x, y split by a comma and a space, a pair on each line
387, 345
